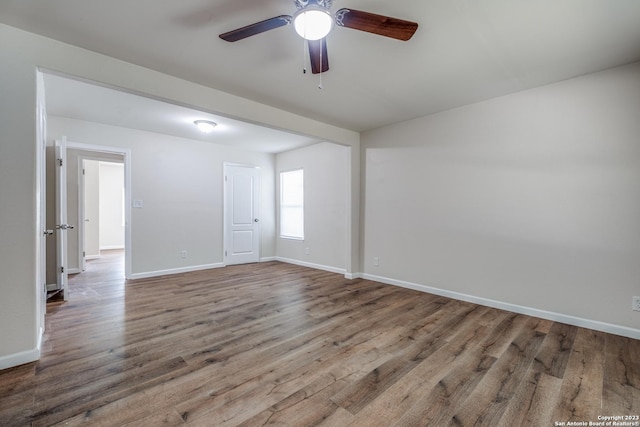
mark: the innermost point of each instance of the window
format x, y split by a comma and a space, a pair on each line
292, 204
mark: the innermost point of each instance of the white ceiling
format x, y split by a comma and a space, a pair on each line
85, 101
464, 51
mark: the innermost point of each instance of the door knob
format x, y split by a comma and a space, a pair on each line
256, 220
65, 227
48, 232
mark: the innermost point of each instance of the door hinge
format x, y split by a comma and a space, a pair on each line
225, 178
84, 254
61, 269
83, 172
225, 253
60, 162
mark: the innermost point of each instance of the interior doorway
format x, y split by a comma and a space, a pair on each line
117, 180
102, 216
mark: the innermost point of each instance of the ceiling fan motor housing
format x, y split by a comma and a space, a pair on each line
322, 4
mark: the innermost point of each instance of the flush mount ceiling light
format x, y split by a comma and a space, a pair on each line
205, 126
312, 22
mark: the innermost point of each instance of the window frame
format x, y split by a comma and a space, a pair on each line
281, 204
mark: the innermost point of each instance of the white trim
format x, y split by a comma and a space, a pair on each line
225, 215
23, 357
312, 265
40, 206
279, 205
89, 257
352, 276
109, 248
529, 311
268, 259
84, 156
40, 337
73, 270
82, 261
126, 153
175, 271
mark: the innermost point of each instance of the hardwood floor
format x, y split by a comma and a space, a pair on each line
278, 344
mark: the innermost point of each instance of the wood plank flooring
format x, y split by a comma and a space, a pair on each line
283, 345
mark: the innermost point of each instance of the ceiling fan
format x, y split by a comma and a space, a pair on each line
313, 20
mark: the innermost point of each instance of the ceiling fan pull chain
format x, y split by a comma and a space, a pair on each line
305, 55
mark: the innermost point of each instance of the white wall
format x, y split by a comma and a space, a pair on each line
326, 180
19, 308
532, 199
180, 184
111, 205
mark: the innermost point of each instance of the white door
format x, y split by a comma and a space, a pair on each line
61, 216
90, 220
242, 224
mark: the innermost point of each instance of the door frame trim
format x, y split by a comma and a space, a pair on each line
81, 204
126, 153
225, 231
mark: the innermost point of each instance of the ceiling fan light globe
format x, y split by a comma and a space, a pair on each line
313, 23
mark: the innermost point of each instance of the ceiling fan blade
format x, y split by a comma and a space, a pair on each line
318, 55
257, 28
376, 24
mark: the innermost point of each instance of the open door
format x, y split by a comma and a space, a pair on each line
61, 216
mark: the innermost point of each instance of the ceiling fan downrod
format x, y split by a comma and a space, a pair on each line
324, 4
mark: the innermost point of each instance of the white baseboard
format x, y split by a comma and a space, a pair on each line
23, 357
530, 311
74, 271
110, 248
312, 265
88, 257
348, 276
17, 359
179, 270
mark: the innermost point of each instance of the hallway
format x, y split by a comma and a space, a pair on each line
104, 277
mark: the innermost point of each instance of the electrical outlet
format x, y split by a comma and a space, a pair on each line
306, 251
183, 254
376, 261
635, 305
